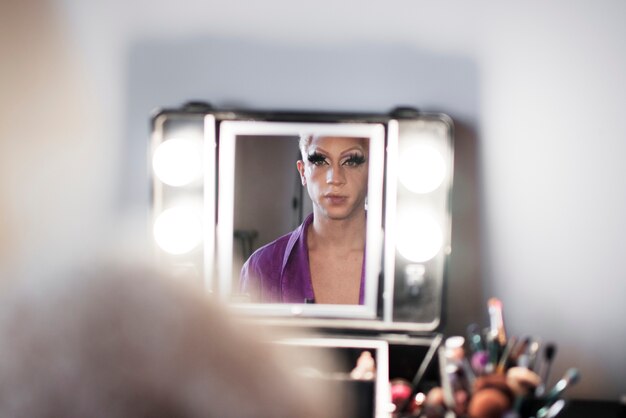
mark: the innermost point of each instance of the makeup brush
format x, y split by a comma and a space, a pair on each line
519, 350
528, 358
570, 378
496, 321
504, 359
474, 338
548, 356
479, 357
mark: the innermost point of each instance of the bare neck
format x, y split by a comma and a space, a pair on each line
345, 234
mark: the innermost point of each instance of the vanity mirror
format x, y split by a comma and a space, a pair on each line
228, 182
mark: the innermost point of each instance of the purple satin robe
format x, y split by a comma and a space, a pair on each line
279, 271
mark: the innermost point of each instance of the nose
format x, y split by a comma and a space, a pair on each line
335, 175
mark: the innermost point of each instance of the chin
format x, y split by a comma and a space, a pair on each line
339, 214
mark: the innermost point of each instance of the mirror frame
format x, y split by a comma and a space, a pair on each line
383, 307
226, 144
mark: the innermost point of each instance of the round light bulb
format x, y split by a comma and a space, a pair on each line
178, 161
420, 237
178, 230
422, 168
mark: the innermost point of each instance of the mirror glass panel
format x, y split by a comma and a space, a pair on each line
261, 197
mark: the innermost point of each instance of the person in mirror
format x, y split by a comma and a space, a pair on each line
323, 260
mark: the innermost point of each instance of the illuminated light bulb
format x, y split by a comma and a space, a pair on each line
422, 168
178, 161
178, 230
420, 237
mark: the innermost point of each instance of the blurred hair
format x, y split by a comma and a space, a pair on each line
125, 342
110, 340
57, 166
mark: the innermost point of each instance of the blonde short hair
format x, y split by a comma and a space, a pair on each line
304, 142
306, 139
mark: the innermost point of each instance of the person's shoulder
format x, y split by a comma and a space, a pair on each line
273, 248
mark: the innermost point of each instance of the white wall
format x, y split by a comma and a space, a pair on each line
537, 89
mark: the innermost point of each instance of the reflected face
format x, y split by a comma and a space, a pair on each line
334, 171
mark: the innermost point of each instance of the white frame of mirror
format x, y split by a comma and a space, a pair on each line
229, 130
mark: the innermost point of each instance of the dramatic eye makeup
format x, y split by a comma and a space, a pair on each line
351, 160
316, 158
354, 160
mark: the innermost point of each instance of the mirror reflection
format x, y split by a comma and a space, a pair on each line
322, 260
306, 203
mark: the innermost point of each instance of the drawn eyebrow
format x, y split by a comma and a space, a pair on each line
354, 159
353, 149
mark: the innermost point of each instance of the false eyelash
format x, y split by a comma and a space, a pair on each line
316, 158
355, 159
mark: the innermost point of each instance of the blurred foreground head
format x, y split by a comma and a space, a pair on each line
57, 148
127, 343
103, 341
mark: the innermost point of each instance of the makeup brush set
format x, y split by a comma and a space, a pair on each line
488, 374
